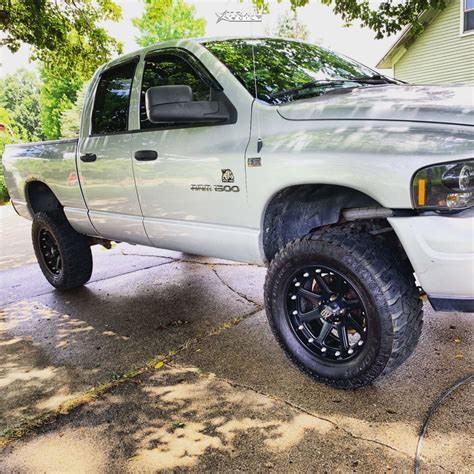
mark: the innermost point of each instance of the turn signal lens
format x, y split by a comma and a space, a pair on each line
421, 192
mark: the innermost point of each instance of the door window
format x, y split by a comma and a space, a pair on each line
112, 100
170, 70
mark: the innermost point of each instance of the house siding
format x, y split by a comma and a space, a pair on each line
441, 54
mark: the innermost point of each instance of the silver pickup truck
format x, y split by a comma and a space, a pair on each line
355, 189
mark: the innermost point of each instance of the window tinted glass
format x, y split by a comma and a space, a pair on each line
110, 114
170, 70
469, 21
282, 65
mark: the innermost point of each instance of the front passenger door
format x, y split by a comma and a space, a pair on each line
194, 189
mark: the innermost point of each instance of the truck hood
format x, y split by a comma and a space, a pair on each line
449, 105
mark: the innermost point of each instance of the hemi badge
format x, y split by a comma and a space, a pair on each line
254, 162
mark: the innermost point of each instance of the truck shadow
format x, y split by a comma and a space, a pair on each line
59, 345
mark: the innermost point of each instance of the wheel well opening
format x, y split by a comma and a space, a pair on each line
298, 210
41, 198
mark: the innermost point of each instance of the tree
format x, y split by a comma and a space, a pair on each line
10, 132
289, 26
387, 18
71, 118
60, 31
19, 96
66, 38
58, 93
168, 19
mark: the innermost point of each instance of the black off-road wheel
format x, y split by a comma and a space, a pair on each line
342, 307
64, 255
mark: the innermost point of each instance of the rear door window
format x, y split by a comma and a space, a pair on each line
112, 100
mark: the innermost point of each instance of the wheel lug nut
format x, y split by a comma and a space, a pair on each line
310, 340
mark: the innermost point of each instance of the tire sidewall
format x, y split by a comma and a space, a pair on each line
74, 249
41, 222
371, 360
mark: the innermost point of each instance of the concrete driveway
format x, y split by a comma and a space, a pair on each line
165, 361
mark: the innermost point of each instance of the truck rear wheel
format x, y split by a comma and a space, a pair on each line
342, 307
64, 255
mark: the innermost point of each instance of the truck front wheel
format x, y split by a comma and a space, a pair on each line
64, 256
342, 307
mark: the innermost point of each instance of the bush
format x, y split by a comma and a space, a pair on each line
4, 196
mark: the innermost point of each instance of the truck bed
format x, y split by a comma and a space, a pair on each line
50, 162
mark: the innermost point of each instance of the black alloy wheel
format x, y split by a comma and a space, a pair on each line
344, 309
326, 313
63, 254
49, 251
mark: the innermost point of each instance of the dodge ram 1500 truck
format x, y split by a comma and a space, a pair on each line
355, 189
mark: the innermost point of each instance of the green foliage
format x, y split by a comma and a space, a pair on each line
58, 93
289, 26
168, 19
60, 31
384, 18
71, 118
66, 38
19, 95
10, 133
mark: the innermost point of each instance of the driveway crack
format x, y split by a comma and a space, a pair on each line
185, 260
242, 295
307, 412
318, 417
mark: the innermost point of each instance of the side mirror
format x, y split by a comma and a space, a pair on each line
165, 104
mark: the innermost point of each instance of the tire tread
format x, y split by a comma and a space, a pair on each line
74, 248
401, 297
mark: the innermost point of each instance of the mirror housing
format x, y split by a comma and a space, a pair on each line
174, 104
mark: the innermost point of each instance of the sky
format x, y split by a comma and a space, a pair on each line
325, 28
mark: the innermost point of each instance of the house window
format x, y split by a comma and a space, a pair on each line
468, 15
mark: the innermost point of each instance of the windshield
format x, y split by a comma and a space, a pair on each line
287, 70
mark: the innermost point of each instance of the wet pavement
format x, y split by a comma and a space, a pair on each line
83, 388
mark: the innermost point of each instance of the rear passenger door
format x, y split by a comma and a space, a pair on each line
104, 158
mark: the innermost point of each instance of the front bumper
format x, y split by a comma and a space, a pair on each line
441, 251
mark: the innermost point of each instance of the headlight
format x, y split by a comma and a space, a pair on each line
449, 186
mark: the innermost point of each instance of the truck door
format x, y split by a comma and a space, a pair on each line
191, 177
104, 158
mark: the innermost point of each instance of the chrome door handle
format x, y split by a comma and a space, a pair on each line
146, 155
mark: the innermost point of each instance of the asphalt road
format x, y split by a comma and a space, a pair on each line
83, 388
